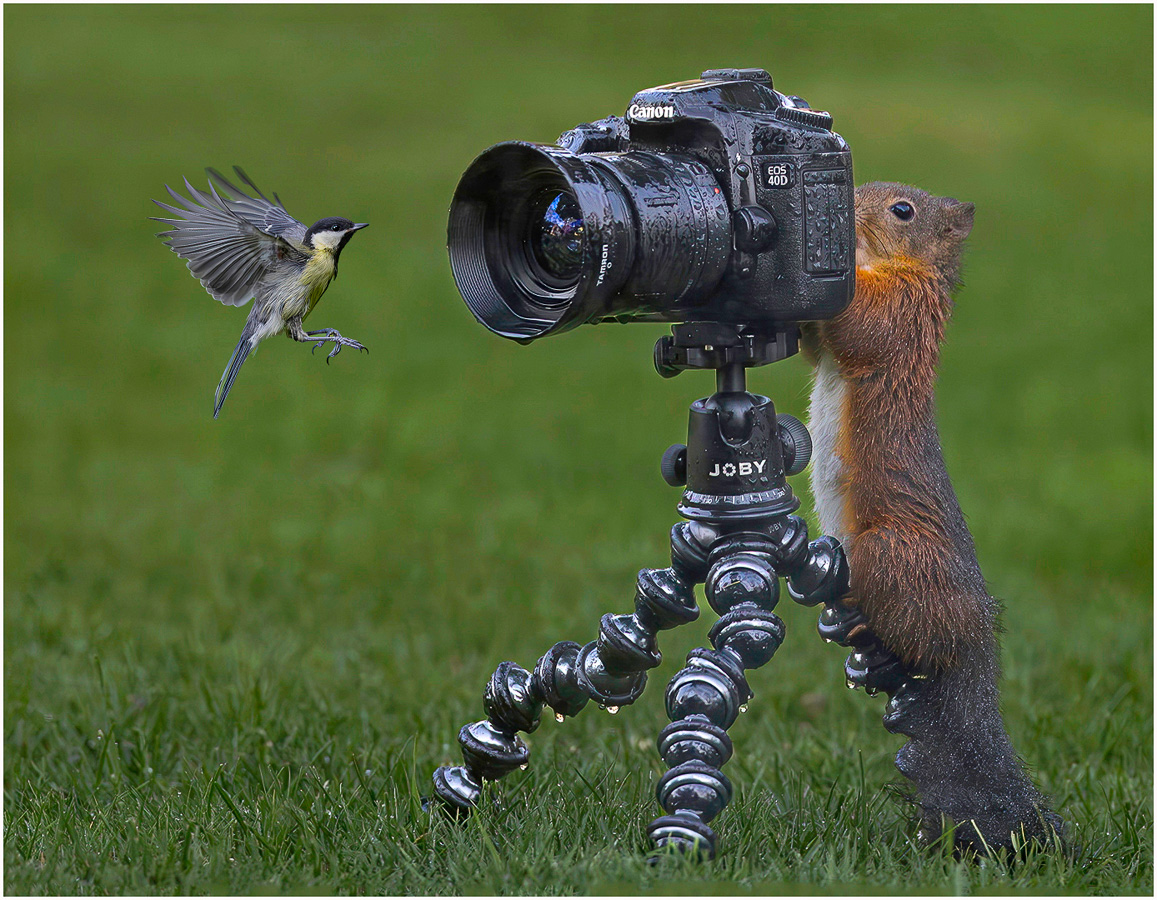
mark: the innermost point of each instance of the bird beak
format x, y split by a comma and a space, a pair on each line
359, 226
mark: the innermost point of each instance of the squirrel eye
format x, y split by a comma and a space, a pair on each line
902, 210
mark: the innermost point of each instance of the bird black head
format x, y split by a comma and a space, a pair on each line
333, 232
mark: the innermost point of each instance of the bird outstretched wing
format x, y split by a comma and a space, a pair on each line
230, 243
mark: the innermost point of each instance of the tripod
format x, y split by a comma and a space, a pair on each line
740, 538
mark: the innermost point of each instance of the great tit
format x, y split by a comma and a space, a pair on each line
241, 247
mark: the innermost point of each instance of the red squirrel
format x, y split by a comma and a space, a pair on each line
881, 487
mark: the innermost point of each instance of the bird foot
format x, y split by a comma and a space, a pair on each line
330, 334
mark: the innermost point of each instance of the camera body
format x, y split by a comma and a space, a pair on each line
712, 200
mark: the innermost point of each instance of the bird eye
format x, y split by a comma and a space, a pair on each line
902, 210
335, 228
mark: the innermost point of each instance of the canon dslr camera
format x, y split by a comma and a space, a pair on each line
717, 200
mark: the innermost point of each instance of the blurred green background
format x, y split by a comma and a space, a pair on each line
235, 650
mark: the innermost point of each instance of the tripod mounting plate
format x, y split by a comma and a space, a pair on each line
717, 345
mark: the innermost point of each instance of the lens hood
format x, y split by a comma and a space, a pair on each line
487, 231
655, 238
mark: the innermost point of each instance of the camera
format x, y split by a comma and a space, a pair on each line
715, 200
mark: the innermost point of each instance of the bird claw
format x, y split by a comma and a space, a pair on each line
329, 334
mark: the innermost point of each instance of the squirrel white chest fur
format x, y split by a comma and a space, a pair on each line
828, 477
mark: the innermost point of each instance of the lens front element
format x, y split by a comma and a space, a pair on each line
556, 241
539, 240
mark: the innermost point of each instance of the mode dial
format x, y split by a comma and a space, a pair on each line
809, 118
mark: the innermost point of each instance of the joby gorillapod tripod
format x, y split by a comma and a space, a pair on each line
741, 537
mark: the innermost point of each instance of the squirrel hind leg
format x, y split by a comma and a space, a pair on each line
985, 816
965, 770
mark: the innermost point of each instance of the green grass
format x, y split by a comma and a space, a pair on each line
235, 651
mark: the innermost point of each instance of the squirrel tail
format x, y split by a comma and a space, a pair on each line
962, 763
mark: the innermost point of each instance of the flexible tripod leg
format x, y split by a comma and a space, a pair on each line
822, 577
870, 665
610, 671
704, 699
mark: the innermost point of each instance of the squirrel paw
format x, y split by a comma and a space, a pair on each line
875, 669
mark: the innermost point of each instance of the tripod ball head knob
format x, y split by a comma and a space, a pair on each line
797, 444
674, 465
664, 356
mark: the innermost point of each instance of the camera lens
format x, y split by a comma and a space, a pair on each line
528, 225
542, 239
556, 238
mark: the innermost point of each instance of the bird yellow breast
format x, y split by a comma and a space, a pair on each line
319, 272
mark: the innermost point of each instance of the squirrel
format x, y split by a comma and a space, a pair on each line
882, 489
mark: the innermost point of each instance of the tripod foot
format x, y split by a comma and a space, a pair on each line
456, 788
901, 704
682, 834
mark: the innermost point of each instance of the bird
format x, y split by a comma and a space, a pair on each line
242, 247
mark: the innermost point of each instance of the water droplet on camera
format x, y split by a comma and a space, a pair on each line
612, 709
743, 708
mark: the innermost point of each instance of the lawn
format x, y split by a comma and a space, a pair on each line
235, 651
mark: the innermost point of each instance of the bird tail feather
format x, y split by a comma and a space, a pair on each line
240, 353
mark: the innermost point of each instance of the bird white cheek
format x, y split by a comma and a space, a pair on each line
327, 240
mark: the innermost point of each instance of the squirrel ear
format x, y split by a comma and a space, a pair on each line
960, 217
